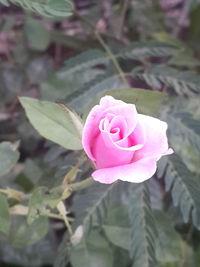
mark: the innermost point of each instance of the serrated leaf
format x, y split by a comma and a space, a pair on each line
143, 231
184, 187
169, 242
93, 251
119, 236
4, 215
54, 122
63, 253
91, 206
8, 157
182, 82
185, 126
47, 8
101, 84
135, 50
146, 101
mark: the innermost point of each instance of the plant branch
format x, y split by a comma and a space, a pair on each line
23, 210
83, 184
122, 17
105, 47
63, 212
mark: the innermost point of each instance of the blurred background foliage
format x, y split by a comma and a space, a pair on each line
73, 53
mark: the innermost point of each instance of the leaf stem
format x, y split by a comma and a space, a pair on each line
62, 210
23, 210
122, 17
83, 184
11, 193
105, 47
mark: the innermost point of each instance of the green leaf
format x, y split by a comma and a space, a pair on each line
27, 235
184, 133
184, 187
119, 236
47, 8
136, 50
37, 34
91, 206
169, 242
54, 122
4, 215
83, 97
146, 101
8, 157
168, 39
41, 200
40, 254
93, 251
4, 2
183, 124
63, 253
182, 82
143, 231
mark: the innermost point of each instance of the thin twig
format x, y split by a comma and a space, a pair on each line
106, 48
122, 17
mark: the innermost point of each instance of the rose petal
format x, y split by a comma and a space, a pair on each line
98, 112
107, 154
156, 142
109, 101
91, 130
135, 172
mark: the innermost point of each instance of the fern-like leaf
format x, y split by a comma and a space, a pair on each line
143, 230
185, 126
63, 254
184, 187
91, 206
92, 58
138, 50
82, 98
183, 83
47, 8
85, 60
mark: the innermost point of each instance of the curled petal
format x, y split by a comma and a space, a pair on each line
107, 154
156, 143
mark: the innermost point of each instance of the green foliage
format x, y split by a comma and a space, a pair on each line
38, 36
42, 199
8, 157
46, 8
93, 250
119, 236
184, 187
63, 254
96, 199
143, 231
4, 215
76, 62
183, 83
137, 96
186, 127
136, 50
54, 121
23, 234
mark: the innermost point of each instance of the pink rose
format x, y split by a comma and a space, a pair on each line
123, 144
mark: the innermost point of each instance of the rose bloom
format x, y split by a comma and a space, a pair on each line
123, 144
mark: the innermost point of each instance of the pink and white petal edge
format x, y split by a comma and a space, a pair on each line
135, 172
